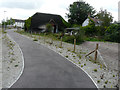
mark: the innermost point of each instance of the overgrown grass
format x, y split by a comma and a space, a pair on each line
94, 39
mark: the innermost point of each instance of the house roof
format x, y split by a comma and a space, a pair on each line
19, 20
95, 20
39, 19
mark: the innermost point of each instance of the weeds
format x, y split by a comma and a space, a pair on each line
81, 65
35, 39
79, 62
16, 65
106, 82
113, 75
98, 81
66, 56
95, 70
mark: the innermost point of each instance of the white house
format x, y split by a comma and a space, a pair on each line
86, 22
19, 23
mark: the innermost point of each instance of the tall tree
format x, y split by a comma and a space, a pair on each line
105, 17
27, 24
78, 12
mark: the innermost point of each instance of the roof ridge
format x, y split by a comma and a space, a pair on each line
47, 13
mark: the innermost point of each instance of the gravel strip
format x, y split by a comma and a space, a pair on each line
0, 58
12, 62
103, 77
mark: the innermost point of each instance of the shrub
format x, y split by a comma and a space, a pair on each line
89, 30
98, 81
16, 65
80, 36
49, 28
104, 86
79, 62
81, 65
66, 56
95, 70
69, 39
35, 39
106, 82
112, 33
113, 75
27, 23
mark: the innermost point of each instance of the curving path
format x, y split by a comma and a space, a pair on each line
46, 69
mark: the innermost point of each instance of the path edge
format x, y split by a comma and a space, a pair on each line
22, 61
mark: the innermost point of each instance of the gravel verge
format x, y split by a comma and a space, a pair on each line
0, 58
12, 61
102, 77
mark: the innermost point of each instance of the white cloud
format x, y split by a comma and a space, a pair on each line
23, 9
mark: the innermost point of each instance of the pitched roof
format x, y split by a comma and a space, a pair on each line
39, 19
19, 20
95, 20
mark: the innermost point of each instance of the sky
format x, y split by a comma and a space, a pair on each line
22, 9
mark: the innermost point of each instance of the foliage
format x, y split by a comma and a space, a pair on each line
69, 39
90, 30
78, 12
78, 35
91, 22
95, 70
27, 24
65, 23
49, 28
106, 19
8, 22
112, 33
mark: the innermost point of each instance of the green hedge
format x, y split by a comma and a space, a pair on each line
27, 23
112, 33
79, 37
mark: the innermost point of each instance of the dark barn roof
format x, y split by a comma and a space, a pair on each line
40, 19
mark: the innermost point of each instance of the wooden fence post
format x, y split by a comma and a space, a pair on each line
44, 38
39, 35
74, 44
96, 51
52, 41
93, 52
31, 33
61, 42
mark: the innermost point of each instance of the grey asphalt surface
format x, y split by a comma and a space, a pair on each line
46, 69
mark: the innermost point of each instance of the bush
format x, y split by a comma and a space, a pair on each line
69, 39
90, 30
112, 33
49, 28
95, 70
27, 24
80, 36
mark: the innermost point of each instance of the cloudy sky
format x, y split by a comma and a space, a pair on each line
22, 9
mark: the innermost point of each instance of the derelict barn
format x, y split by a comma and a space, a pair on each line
39, 21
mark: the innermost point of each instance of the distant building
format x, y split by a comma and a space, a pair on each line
87, 21
19, 23
119, 11
39, 21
